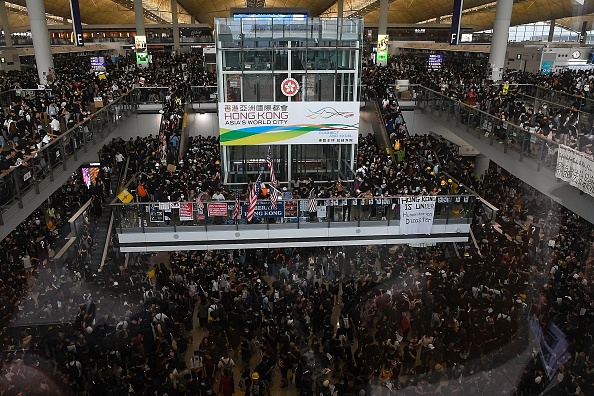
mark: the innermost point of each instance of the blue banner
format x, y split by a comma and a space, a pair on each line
76, 23
456, 21
265, 210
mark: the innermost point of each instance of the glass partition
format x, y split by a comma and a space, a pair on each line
52, 158
503, 135
158, 216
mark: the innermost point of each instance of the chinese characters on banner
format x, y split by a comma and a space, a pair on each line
576, 168
248, 123
416, 215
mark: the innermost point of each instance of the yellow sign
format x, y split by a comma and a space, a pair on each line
125, 196
505, 89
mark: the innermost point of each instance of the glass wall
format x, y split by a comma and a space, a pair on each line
321, 54
256, 54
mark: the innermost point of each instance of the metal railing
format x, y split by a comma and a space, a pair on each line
53, 158
177, 216
500, 134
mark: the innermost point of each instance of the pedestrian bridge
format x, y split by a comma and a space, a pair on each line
170, 226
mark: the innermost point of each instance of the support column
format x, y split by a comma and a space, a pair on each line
383, 18
192, 19
438, 20
340, 11
500, 35
139, 14
5, 25
551, 31
175, 24
41, 40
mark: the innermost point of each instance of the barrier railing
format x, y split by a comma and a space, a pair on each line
155, 216
47, 160
500, 134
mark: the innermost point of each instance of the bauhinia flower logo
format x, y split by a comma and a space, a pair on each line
290, 87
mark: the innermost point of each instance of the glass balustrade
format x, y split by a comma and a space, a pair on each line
45, 162
179, 216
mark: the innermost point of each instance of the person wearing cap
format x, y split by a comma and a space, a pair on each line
256, 386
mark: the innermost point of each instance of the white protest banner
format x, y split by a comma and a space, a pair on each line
416, 215
575, 167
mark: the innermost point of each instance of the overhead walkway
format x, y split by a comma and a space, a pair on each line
527, 156
25, 188
166, 226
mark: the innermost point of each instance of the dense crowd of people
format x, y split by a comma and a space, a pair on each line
352, 320
463, 82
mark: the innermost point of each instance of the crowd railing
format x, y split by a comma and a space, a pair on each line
503, 135
384, 210
203, 94
54, 157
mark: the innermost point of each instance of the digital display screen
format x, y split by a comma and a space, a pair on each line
89, 176
98, 63
435, 61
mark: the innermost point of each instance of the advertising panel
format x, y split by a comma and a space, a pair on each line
382, 49
264, 123
142, 58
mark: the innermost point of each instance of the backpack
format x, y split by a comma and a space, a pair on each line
242, 384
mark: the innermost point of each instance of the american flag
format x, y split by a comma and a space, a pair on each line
259, 185
274, 195
273, 180
312, 204
253, 198
236, 209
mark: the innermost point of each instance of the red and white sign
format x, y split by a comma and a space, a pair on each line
217, 209
290, 87
186, 211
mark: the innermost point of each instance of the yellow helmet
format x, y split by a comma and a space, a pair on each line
255, 376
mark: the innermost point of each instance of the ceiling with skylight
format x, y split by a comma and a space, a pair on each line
478, 14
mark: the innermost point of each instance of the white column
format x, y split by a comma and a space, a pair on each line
5, 25
503, 13
175, 24
383, 17
139, 14
41, 40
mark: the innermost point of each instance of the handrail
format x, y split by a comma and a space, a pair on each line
379, 197
474, 110
59, 138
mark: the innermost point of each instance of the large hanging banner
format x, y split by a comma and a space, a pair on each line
416, 215
576, 168
263, 123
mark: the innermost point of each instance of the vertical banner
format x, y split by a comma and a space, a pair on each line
76, 23
416, 215
186, 212
583, 33
141, 51
576, 168
382, 49
456, 21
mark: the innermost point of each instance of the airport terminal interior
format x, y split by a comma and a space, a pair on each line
300, 198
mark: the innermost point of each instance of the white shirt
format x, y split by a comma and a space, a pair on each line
55, 124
